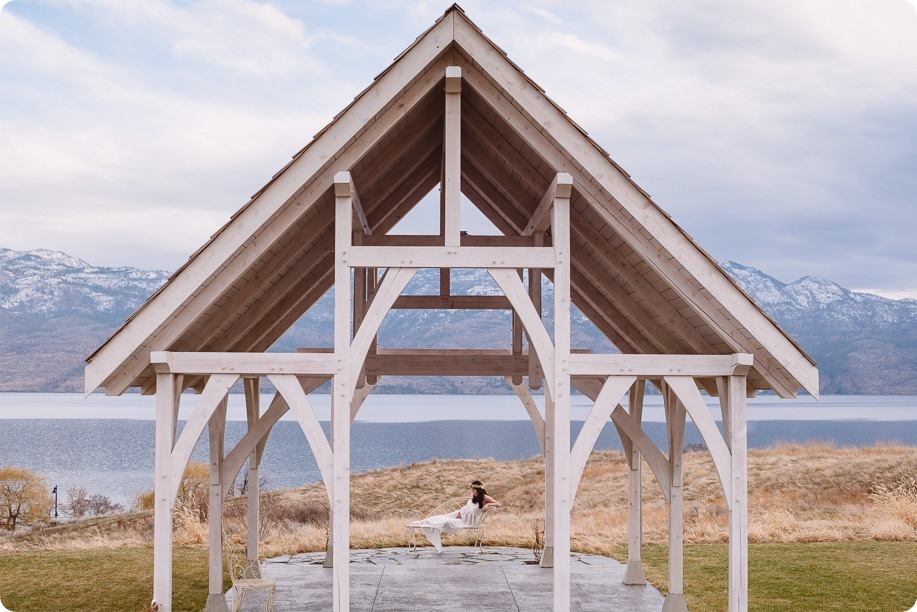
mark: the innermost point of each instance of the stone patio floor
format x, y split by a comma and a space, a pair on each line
390, 579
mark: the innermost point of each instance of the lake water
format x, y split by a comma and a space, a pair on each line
106, 444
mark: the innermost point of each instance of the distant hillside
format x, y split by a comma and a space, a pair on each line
56, 309
863, 343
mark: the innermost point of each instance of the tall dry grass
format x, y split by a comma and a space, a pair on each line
797, 493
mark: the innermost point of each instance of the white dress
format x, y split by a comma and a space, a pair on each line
434, 526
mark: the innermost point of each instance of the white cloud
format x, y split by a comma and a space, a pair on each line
779, 134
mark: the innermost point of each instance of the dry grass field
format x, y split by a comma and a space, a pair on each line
798, 493
830, 529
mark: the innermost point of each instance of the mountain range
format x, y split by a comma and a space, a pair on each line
56, 309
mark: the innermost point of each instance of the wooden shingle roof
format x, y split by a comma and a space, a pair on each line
635, 273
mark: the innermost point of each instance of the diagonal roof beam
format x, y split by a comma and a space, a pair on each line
586, 152
118, 363
614, 261
560, 187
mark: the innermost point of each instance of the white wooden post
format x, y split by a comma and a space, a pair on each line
738, 515
535, 295
167, 399
253, 522
560, 230
516, 339
634, 573
547, 556
216, 428
452, 151
675, 421
359, 302
340, 434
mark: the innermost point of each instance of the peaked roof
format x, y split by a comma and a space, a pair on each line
635, 273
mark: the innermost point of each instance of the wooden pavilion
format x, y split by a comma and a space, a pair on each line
453, 110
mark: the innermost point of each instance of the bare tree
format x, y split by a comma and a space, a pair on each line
77, 504
100, 505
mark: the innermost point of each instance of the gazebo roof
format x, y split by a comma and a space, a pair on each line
636, 274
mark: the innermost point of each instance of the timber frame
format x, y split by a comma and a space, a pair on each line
453, 110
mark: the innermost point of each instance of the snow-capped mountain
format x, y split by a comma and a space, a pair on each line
56, 309
863, 343
52, 283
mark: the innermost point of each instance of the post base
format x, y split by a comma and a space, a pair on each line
675, 602
329, 557
547, 557
634, 573
216, 603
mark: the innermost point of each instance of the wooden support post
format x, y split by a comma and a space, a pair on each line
634, 573
371, 287
216, 428
560, 230
340, 433
253, 521
675, 425
517, 339
535, 374
547, 556
167, 400
359, 302
738, 514
452, 150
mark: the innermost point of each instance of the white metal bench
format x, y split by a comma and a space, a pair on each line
452, 505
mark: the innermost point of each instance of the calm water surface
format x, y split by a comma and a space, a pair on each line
114, 456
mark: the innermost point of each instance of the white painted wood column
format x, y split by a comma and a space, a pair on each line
452, 152
675, 421
342, 386
168, 390
634, 573
560, 230
547, 557
738, 515
535, 374
253, 517
216, 428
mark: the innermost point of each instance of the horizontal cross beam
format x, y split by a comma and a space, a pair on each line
253, 364
698, 366
452, 302
451, 257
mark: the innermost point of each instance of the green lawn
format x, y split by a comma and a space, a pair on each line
862, 576
116, 580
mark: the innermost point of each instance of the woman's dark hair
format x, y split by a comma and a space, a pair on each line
479, 493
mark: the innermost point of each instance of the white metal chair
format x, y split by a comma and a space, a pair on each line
451, 505
245, 575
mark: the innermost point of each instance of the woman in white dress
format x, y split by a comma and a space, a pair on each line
468, 516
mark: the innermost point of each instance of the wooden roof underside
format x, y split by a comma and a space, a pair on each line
637, 276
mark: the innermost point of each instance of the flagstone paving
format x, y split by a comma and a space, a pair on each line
392, 579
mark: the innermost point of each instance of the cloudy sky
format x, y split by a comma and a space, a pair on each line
781, 134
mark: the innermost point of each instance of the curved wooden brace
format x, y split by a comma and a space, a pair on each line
654, 458
253, 438
393, 283
686, 390
359, 397
295, 396
217, 387
610, 396
511, 285
528, 401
